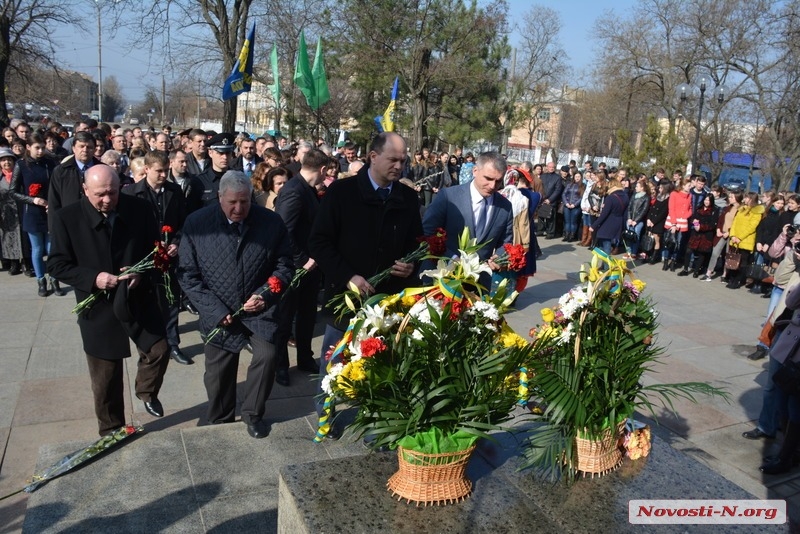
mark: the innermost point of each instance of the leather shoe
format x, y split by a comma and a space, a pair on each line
756, 433
180, 357
190, 308
333, 433
309, 366
258, 430
282, 377
154, 408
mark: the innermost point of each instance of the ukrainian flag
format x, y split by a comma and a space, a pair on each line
242, 74
387, 122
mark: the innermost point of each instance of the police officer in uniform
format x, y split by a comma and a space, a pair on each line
220, 150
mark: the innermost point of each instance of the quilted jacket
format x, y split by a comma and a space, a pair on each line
220, 270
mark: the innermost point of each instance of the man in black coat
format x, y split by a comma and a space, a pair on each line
190, 184
66, 184
366, 224
232, 255
94, 239
297, 204
169, 209
553, 187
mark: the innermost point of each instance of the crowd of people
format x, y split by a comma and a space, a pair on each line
80, 209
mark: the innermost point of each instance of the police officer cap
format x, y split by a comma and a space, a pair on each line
222, 142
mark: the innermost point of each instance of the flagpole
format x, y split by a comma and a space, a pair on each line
246, 109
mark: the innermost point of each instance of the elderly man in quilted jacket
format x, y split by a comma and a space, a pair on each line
236, 255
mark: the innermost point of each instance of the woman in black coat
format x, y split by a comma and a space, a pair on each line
608, 226
29, 185
657, 216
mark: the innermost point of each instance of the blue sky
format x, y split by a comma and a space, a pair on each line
131, 65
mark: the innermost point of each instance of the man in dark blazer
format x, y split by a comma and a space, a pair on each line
366, 224
297, 204
228, 252
94, 239
66, 184
477, 206
169, 209
247, 160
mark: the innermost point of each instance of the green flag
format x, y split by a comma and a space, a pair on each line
276, 82
302, 72
321, 93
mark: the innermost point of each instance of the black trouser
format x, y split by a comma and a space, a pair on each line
220, 380
107, 384
549, 225
298, 306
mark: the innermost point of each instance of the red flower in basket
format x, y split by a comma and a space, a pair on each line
34, 190
372, 346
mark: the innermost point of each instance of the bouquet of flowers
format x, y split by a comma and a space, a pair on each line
273, 285
591, 351
430, 368
35, 190
157, 259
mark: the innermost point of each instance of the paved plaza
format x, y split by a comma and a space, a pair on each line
46, 412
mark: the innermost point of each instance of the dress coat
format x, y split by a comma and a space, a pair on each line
612, 219
82, 248
10, 236
356, 232
219, 271
297, 204
66, 184
28, 172
173, 213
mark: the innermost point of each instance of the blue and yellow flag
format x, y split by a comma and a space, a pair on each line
242, 74
387, 122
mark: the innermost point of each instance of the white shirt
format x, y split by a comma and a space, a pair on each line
477, 204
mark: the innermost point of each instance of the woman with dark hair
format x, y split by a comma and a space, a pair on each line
272, 184
272, 157
30, 182
657, 216
790, 209
452, 169
257, 179
10, 235
743, 236
722, 234
52, 145
701, 237
571, 200
637, 212
767, 231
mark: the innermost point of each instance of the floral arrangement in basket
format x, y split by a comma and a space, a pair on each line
433, 368
591, 352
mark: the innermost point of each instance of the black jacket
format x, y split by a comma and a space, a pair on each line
210, 181
356, 232
66, 185
238, 163
192, 191
173, 211
638, 207
81, 249
553, 187
26, 173
297, 204
219, 271
192, 167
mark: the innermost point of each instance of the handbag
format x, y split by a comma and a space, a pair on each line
670, 240
629, 235
760, 271
648, 242
788, 378
545, 211
733, 259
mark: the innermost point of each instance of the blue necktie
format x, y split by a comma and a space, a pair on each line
480, 224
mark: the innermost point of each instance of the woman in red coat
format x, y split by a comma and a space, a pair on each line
678, 213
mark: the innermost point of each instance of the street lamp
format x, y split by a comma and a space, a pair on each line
684, 90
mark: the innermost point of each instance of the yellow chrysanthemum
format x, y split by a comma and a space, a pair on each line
548, 315
509, 338
639, 285
351, 373
408, 301
546, 332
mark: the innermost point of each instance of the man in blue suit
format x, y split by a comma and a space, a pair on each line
477, 206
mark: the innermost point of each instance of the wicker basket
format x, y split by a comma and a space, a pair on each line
599, 456
431, 478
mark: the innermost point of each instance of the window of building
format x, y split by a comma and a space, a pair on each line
544, 114
541, 135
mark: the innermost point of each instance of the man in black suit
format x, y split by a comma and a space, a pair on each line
365, 224
66, 184
197, 159
94, 239
247, 160
169, 208
229, 251
297, 204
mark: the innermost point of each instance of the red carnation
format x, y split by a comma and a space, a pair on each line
166, 229
437, 243
34, 190
372, 346
274, 284
514, 257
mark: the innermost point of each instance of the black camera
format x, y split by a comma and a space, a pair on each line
797, 247
791, 230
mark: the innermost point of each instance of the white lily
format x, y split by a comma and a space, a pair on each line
442, 270
472, 266
375, 316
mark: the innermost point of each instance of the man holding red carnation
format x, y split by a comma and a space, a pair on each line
234, 263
